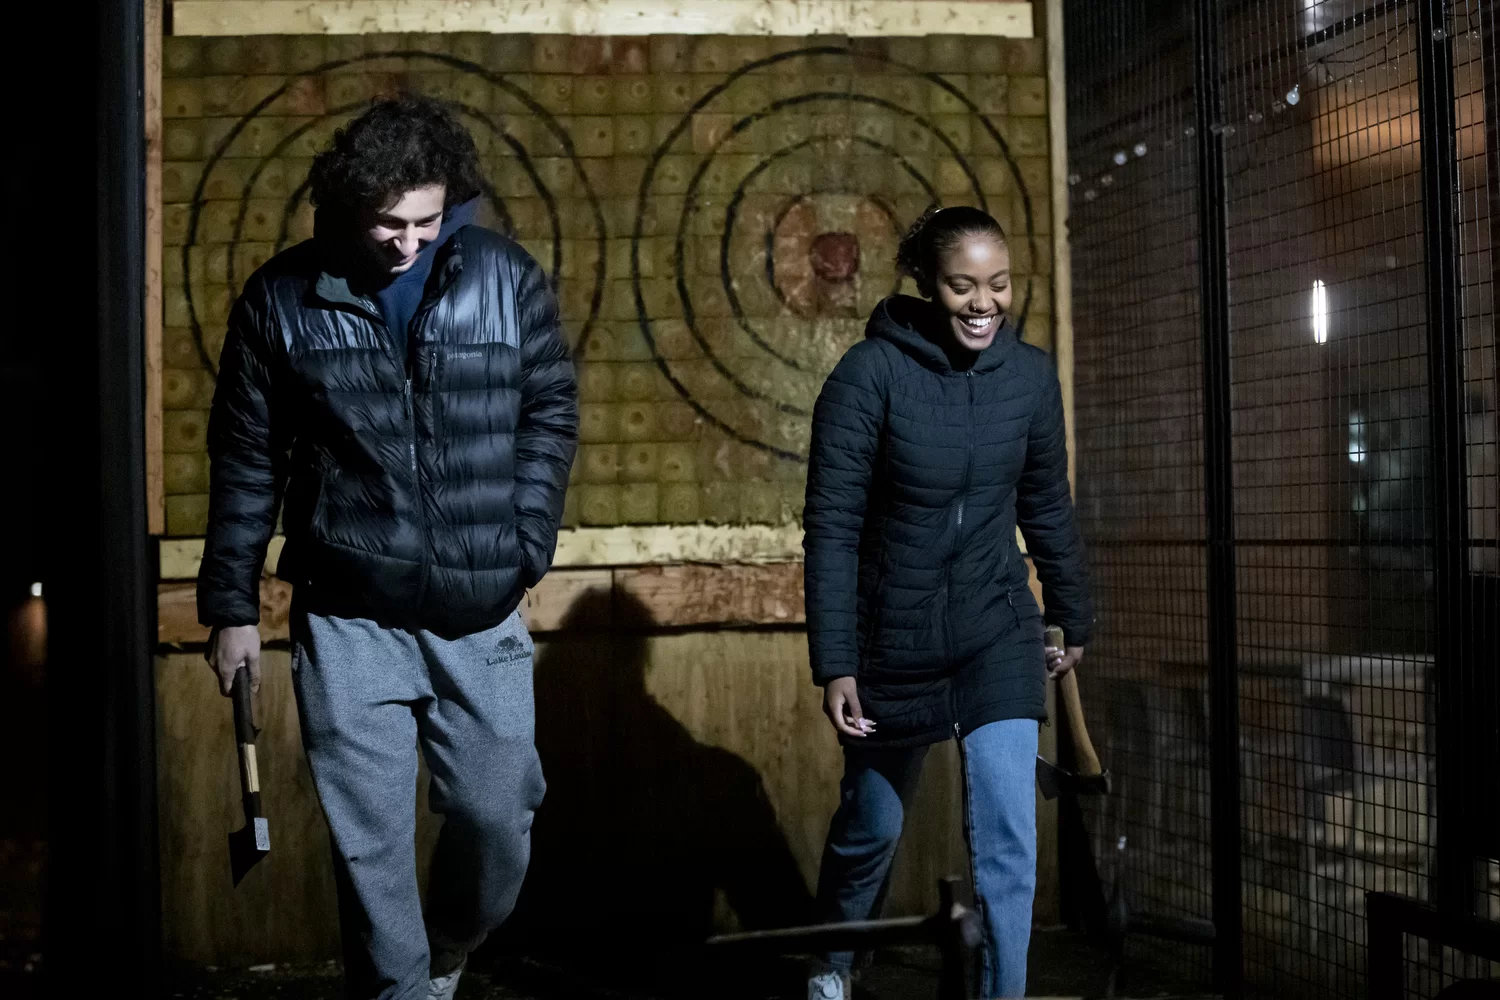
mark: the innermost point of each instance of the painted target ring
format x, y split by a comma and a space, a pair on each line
790, 260
471, 115
792, 204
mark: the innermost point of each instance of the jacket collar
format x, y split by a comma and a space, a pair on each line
916, 327
334, 288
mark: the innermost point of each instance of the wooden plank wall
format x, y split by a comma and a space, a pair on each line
635, 727
654, 746
681, 768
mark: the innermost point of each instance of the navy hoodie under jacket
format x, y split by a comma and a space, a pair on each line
399, 300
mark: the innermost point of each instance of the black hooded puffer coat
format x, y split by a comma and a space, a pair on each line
423, 491
918, 478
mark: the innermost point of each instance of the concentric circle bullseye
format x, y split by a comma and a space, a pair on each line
799, 269
472, 116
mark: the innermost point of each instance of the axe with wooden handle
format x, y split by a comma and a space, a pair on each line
248, 845
1090, 778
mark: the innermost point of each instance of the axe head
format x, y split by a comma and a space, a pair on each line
1054, 781
247, 846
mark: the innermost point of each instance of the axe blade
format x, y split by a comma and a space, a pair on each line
1054, 781
253, 842
1049, 778
247, 846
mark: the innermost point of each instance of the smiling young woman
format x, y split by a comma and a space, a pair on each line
933, 439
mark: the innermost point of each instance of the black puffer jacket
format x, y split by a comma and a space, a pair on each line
919, 475
421, 491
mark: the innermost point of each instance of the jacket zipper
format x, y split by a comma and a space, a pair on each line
969, 453
423, 309
416, 486
410, 369
963, 496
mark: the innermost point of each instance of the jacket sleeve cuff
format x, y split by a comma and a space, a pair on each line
1075, 632
1077, 635
226, 621
228, 617
536, 555
823, 675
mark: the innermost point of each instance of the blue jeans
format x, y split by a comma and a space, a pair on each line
1000, 801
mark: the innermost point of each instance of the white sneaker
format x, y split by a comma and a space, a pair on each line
829, 986
444, 987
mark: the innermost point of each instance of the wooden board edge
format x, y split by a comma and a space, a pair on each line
156, 499
649, 545
581, 548
687, 596
594, 548
850, 18
1062, 259
640, 597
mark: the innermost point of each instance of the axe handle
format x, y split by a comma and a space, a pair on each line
244, 714
1083, 747
244, 738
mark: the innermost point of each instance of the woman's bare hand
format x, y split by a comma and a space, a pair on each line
841, 705
1060, 661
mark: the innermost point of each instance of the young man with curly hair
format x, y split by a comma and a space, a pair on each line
401, 381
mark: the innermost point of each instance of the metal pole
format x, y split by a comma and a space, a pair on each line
103, 910
1453, 657
1218, 482
1385, 951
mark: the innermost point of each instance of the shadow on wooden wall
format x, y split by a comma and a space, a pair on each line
691, 777
648, 839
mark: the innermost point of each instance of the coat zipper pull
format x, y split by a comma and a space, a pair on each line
406, 399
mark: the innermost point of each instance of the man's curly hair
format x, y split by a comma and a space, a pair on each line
396, 146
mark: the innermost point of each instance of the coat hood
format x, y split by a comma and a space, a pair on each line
918, 327
454, 219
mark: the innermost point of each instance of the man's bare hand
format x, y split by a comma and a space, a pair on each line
1060, 661
231, 648
841, 705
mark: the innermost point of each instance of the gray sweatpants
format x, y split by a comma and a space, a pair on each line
367, 695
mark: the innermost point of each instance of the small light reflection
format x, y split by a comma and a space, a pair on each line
1356, 437
1320, 311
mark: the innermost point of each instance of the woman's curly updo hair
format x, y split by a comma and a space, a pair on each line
396, 146
938, 232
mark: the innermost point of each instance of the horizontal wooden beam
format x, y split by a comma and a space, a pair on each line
852, 18
665, 596
177, 612
641, 597
646, 545
682, 596
656, 544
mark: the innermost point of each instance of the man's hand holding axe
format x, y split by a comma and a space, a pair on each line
234, 655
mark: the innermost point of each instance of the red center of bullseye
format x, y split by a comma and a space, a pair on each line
835, 256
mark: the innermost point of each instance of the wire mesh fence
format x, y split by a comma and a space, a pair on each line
1364, 491
1139, 406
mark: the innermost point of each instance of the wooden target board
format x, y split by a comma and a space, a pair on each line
718, 216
